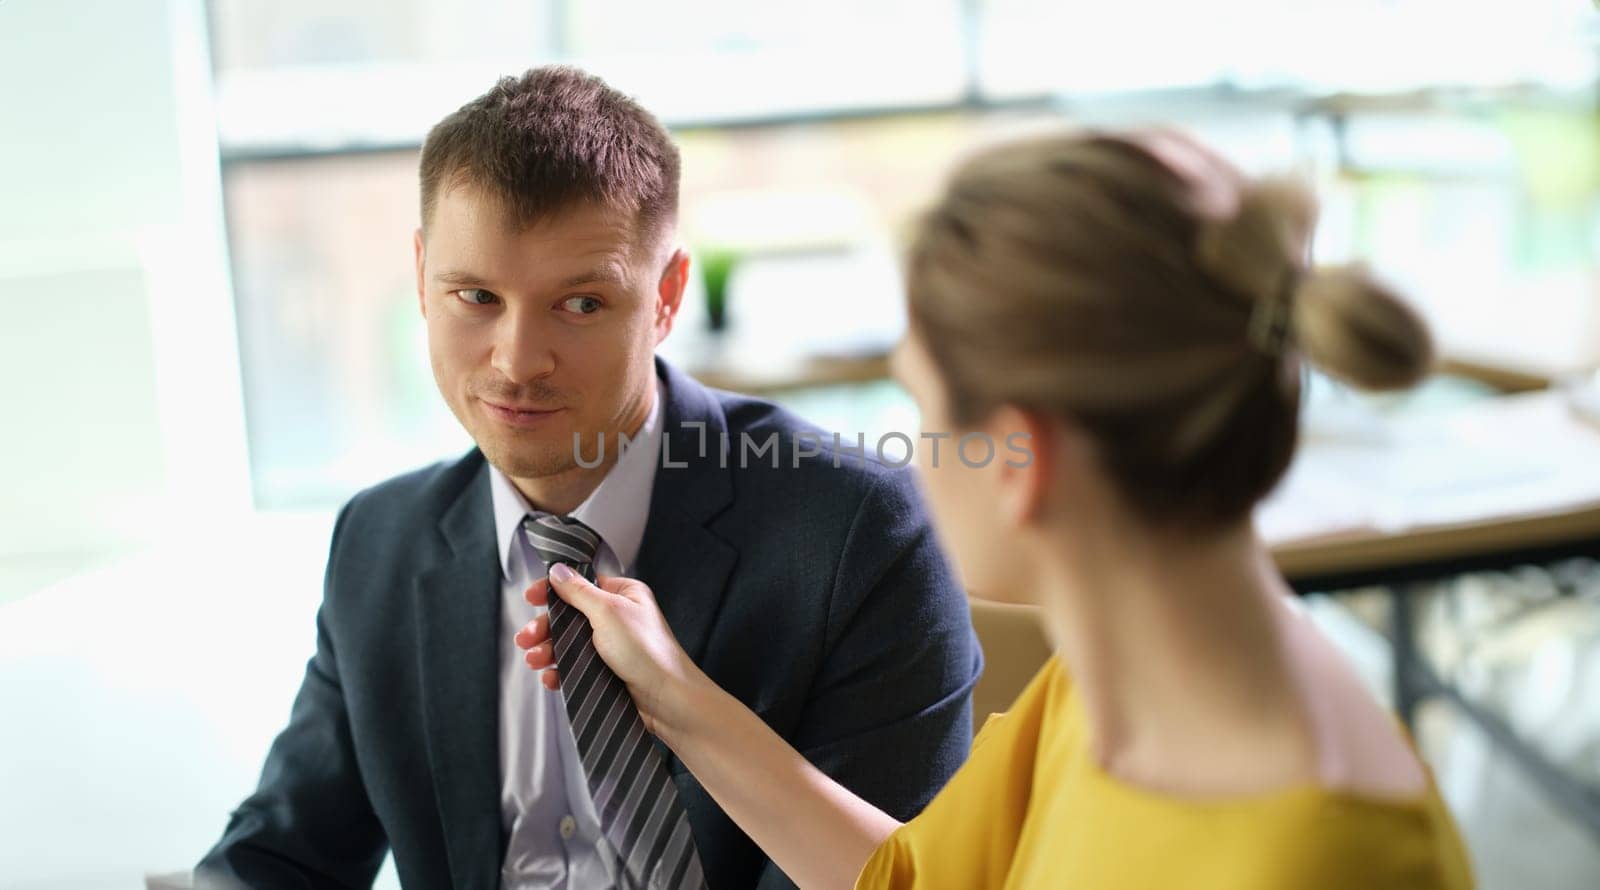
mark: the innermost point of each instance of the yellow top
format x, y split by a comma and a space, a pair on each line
1031, 809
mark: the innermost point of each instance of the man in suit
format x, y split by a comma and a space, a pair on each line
802, 577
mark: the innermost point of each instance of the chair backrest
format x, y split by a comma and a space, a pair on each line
1014, 648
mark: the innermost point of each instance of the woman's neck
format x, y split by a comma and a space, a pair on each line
1174, 645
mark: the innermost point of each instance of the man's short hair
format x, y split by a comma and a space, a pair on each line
551, 139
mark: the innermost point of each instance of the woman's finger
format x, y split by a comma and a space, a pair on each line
538, 593
541, 656
630, 588
551, 679
576, 591
534, 632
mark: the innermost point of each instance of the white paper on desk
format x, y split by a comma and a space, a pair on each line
843, 303
1312, 502
1432, 472
1436, 483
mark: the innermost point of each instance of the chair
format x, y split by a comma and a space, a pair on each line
1014, 648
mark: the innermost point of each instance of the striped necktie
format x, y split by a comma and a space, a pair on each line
633, 791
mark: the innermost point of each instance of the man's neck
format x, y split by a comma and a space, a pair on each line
564, 492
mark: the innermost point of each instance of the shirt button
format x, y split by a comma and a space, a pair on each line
569, 827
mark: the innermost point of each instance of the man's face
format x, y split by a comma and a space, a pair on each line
539, 333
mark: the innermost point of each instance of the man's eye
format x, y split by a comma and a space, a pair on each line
581, 305
476, 296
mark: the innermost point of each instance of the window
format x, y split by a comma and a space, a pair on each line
811, 135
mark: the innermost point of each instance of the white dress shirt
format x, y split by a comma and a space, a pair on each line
545, 804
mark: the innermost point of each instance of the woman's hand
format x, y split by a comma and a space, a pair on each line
815, 829
630, 635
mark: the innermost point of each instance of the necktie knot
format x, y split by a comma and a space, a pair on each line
560, 539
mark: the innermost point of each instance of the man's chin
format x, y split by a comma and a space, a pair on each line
528, 462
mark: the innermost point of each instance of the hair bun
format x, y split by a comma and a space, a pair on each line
1357, 329
1341, 319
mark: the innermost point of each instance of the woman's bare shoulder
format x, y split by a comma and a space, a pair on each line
1361, 747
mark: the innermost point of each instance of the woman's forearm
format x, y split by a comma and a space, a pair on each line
818, 832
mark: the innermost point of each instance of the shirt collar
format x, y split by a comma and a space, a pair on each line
617, 509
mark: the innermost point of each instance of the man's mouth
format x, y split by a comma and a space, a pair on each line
520, 415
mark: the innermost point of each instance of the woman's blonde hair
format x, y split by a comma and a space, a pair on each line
1142, 288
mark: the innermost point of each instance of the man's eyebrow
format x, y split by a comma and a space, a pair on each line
605, 274
463, 279
608, 273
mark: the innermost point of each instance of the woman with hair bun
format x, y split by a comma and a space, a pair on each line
1143, 314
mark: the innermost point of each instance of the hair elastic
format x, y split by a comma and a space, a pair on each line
1271, 321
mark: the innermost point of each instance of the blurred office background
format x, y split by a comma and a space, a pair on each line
209, 337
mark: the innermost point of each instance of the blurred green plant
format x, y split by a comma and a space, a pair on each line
716, 267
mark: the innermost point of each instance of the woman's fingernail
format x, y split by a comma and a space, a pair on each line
561, 572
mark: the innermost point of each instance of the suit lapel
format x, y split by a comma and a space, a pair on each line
458, 626
683, 562
687, 567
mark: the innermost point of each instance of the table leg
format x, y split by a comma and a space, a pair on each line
1403, 647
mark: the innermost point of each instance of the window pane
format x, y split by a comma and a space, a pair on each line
294, 76
338, 390
1045, 47
252, 35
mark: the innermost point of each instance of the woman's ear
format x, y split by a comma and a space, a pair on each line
1025, 451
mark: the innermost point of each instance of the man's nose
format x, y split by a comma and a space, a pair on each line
523, 349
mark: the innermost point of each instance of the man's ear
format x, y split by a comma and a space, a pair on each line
669, 292
421, 252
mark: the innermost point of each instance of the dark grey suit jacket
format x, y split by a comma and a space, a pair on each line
816, 595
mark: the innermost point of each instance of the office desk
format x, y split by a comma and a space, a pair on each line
799, 373
1545, 506
1445, 490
